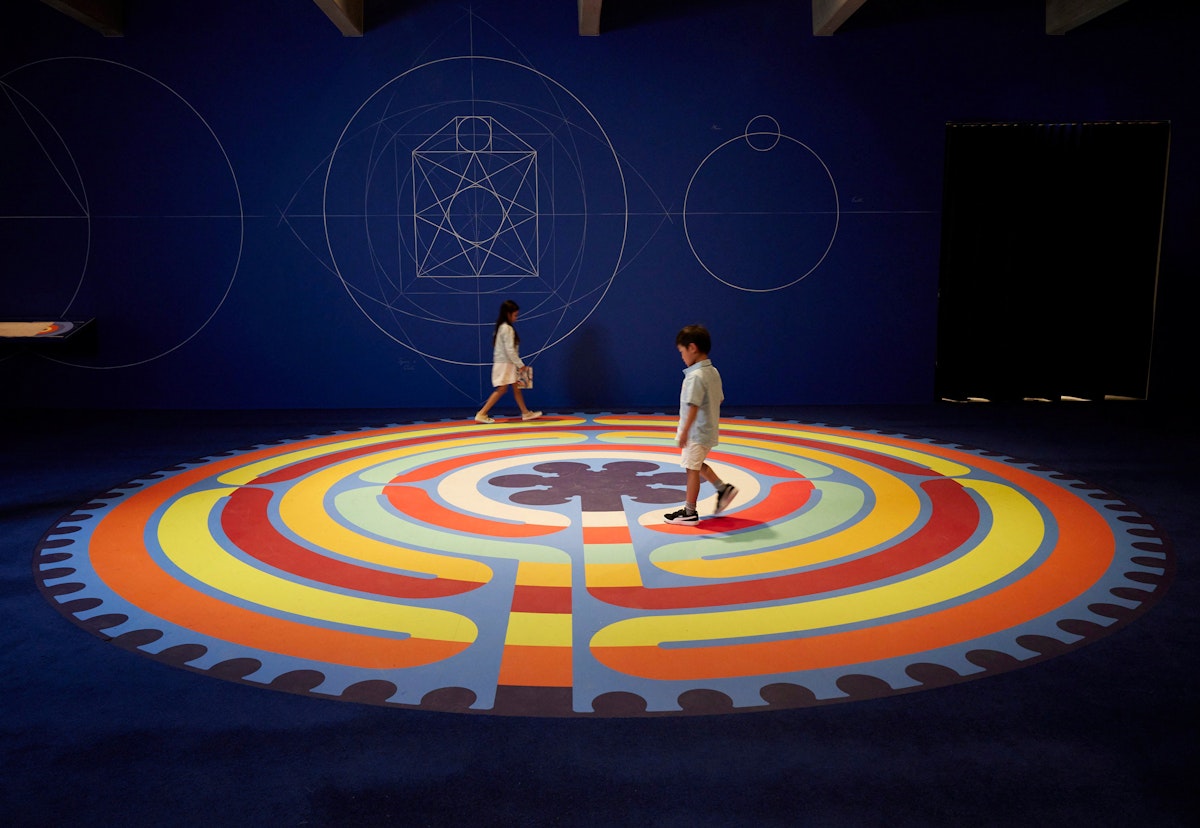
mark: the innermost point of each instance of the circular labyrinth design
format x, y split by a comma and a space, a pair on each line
524, 568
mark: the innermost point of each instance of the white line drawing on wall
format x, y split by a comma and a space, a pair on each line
501, 185
76, 131
475, 202
766, 192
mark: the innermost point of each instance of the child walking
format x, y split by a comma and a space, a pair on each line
507, 366
699, 414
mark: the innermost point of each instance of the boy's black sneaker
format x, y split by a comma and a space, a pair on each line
725, 496
686, 517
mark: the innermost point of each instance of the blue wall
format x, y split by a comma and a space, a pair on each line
248, 202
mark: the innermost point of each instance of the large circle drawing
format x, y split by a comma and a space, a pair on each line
465, 181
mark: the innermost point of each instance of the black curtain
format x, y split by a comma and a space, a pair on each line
1050, 240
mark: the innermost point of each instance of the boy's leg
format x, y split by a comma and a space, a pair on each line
691, 456
693, 489
726, 492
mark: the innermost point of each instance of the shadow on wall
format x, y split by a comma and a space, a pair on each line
591, 380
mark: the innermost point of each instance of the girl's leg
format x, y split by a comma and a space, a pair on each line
526, 414
492, 400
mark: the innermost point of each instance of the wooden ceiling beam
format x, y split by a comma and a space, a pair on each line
589, 17
108, 16
347, 15
829, 15
1064, 15
105, 16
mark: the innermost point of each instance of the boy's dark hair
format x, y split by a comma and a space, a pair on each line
697, 334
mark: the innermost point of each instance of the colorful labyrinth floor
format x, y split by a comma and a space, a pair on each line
524, 568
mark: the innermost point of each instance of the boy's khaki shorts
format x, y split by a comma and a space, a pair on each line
692, 456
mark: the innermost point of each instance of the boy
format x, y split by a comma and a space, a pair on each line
699, 412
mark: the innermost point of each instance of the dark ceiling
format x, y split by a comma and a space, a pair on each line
353, 17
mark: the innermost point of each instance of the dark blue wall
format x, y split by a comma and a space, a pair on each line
247, 202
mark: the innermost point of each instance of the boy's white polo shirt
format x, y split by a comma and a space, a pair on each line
702, 388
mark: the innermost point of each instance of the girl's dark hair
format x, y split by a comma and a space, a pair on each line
506, 308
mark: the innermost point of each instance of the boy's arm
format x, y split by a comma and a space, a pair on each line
685, 427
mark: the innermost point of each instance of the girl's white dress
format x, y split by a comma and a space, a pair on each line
505, 358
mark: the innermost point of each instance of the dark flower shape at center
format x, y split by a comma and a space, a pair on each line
599, 490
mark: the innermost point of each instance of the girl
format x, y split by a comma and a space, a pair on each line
506, 364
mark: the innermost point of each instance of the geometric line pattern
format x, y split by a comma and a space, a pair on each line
475, 202
524, 568
467, 177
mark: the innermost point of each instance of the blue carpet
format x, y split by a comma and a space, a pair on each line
91, 733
